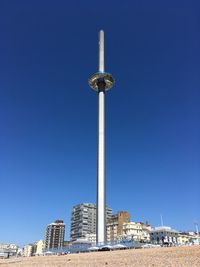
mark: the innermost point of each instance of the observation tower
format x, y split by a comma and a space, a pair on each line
101, 82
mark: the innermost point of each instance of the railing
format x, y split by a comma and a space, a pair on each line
76, 248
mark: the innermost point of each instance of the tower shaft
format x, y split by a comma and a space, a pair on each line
101, 197
101, 51
101, 82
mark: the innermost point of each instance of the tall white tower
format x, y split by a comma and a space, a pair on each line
101, 82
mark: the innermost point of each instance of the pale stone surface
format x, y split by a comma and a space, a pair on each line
156, 257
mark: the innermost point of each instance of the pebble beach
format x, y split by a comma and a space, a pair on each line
156, 257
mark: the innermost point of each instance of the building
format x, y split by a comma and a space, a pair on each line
115, 225
39, 247
183, 238
55, 233
194, 238
87, 239
164, 235
187, 238
33, 249
83, 220
91, 238
136, 231
67, 243
8, 246
28, 250
7, 249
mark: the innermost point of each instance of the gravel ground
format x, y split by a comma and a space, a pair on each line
156, 257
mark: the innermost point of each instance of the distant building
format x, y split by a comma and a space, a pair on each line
33, 249
185, 238
39, 247
83, 220
195, 238
9, 249
115, 225
91, 238
28, 250
164, 235
8, 246
54, 237
67, 243
136, 231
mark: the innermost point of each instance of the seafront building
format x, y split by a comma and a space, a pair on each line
83, 221
28, 250
33, 249
9, 249
39, 247
186, 238
164, 235
91, 238
194, 237
136, 231
183, 238
8, 246
54, 236
115, 225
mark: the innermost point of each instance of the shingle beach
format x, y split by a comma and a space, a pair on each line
156, 257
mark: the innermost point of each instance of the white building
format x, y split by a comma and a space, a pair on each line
11, 249
28, 250
136, 231
91, 238
164, 235
87, 239
8, 246
111, 231
185, 238
39, 247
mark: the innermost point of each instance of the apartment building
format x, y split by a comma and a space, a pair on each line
115, 225
83, 220
55, 233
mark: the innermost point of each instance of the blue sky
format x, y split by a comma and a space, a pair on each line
48, 113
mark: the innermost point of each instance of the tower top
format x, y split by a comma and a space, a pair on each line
101, 78
101, 51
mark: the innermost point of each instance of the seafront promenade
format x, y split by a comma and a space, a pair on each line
157, 257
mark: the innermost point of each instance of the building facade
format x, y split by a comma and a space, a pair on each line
91, 238
9, 249
39, 247
115, 225
55, 233
187, 238
28, 250
83, 220
164, 235
136, 231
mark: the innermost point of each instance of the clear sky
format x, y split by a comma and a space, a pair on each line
48, 113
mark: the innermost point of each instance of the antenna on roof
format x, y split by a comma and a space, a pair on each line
196, 227
161, 219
